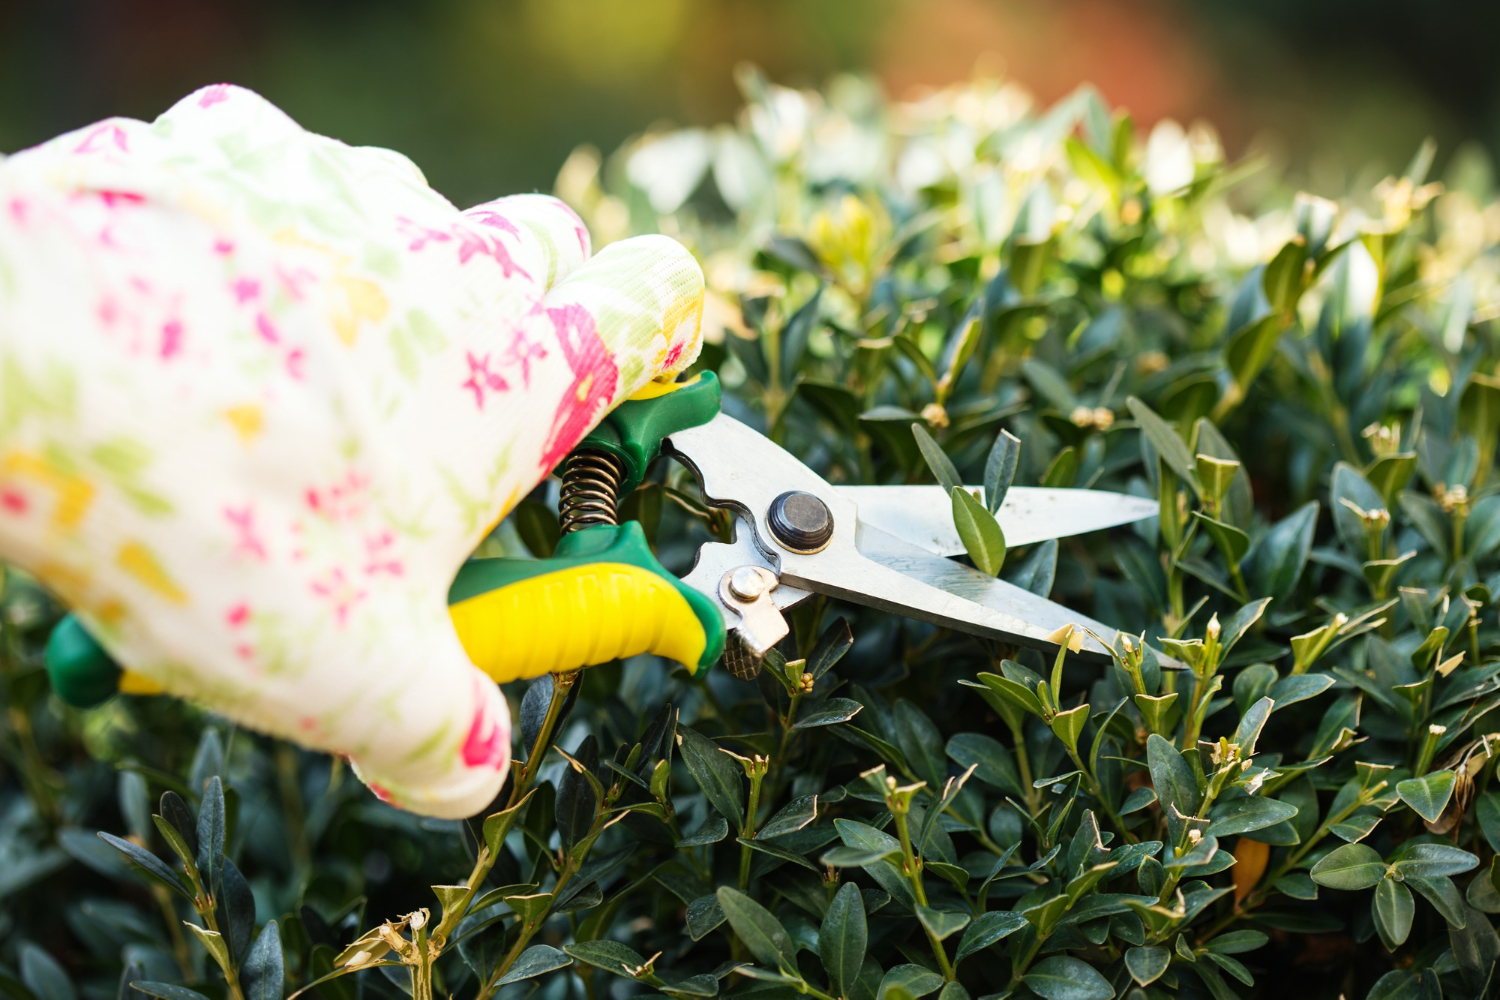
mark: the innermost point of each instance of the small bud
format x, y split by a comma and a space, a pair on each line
1082, 416
1453, 498
1385, 439
805, 682
1436, 729
1194, 836
1104, 418
935, 415
1151, 362
1211, 631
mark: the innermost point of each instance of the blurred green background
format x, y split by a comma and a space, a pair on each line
489, 96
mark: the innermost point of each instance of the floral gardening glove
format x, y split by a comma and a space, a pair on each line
261, 394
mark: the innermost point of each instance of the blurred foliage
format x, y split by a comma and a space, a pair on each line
488, 96
1310, 389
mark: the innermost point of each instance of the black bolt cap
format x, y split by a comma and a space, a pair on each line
800, 521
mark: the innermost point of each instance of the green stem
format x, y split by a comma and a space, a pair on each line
203, 902
1193, 725
1019, 969
912, 867
1239, 582
748, 832
421, 973
571, 864
562, 684
1178, 845
180, 950
1023, 764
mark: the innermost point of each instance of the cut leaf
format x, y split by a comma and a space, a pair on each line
980, 532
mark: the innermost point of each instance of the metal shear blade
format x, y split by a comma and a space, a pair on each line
742, 470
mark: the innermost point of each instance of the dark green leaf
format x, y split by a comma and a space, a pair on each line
758, 930
703, 915
992, 762
576, 800
790, 818
1393, 910
832, 645
1476, 948
533, 962
986, 929
1276, 563
1248, 731
842, 938
937, 459
1429, 860
1442, 894
611, 956
712, 830
980, 532
1173, 778
1232, 542
237, 906
794, 337
908, 982
1037, 571
43, 976
1487, 813
211, 832
148, 862
1167, 442
1147, 964
921, 743
1300, 687
166, 991
941, 924
208, 761
534, 705
1242, 815
1350, 866
1000, 469
830, 713
1063, 977
1429, 794
263, 972
720, 777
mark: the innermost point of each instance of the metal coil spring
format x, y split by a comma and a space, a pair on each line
590, 491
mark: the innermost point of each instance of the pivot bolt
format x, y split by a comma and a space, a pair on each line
800, 522
749, 582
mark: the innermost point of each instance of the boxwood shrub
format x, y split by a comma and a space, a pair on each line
961, 288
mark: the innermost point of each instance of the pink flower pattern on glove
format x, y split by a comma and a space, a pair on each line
261, 393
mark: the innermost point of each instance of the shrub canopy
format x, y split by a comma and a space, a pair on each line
1310, 388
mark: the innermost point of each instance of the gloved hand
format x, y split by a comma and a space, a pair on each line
261, 394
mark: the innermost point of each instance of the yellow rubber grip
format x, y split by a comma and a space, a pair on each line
574, 618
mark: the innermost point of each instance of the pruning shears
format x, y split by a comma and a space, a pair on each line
602, 594
795, 535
